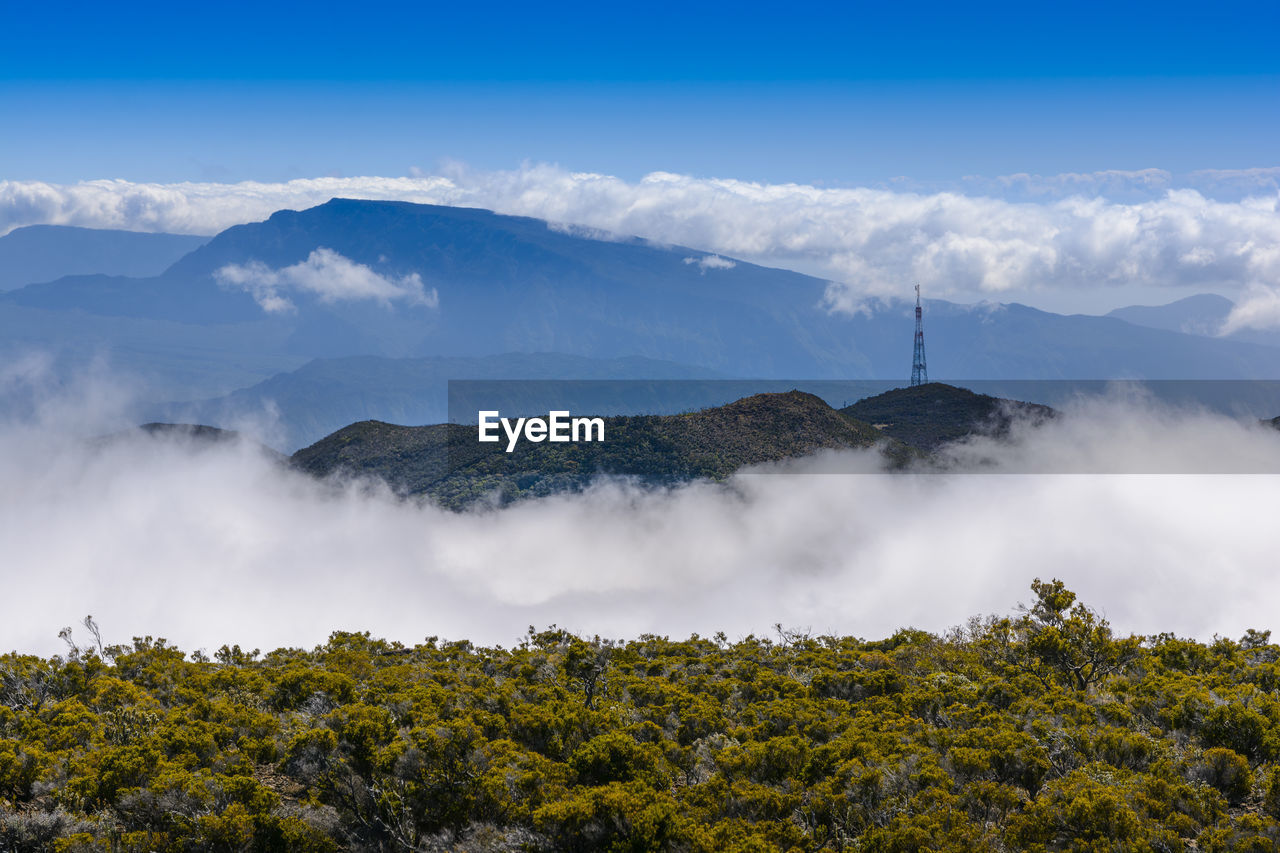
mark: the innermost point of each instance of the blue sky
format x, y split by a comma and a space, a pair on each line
857, 141
838, 95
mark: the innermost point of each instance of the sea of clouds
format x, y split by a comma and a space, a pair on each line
208, 544
1216, 229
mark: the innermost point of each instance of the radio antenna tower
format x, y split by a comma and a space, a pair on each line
919, 373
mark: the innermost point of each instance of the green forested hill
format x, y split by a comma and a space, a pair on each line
1039, 731
927, 416
447, 463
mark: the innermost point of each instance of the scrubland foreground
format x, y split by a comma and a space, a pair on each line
1036, 731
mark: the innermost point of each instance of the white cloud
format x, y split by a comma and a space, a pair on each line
1245, 182
711, 262
221, 545
327, 275
1259, 308
1117, 185
1112, 183
193, 208
875, 242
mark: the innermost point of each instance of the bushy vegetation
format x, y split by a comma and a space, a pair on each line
1036, 731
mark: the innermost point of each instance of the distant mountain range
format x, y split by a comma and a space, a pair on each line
39, 253
376, 281
1202, 314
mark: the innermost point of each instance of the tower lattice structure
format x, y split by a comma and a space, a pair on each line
919, 372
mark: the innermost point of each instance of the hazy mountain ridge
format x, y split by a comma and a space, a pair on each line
1201, 314
155, 359
42, 253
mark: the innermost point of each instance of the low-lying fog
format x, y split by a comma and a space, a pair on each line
212, 544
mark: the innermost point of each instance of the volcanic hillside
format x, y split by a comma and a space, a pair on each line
928, 416
448, 464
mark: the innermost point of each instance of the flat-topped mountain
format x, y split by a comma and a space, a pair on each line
499, 284
927, 416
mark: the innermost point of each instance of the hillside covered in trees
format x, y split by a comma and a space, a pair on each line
928, 416
1040, 730
446, 462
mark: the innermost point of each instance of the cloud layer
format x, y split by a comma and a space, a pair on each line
326, 275
215, 544
871, 241
1135, 185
